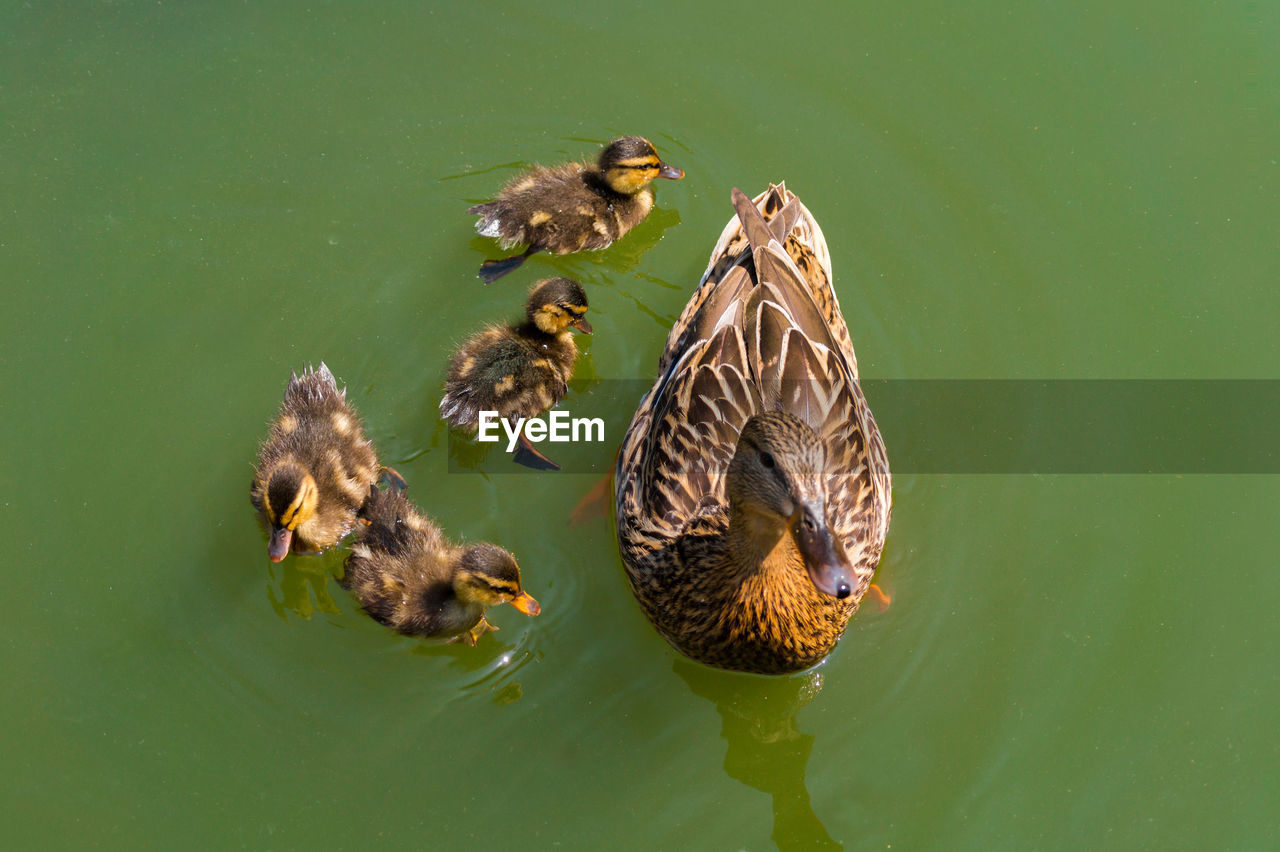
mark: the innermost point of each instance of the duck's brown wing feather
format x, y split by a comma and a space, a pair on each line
758, 335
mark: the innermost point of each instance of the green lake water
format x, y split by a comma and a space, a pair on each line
199, 198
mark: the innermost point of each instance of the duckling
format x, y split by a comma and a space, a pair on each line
519, 370
574, 206
315, 469
408, 576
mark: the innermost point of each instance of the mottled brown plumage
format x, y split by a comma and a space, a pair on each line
753, 488
574, 206
408, 576
315, 469
522, 369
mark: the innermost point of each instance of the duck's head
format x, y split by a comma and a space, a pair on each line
777, 483
489, 575
630, 163
289, 499
557, 303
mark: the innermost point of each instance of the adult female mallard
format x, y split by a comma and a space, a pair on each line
752, 488
315, 469
522, 369
408, 576
574, 206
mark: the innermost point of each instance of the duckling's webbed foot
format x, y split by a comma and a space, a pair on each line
389, 477
492, 270
529, 456
471, 636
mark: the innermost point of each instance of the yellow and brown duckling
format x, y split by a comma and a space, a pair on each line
315, 469
522, 369
753, 487
574, 206
408, 576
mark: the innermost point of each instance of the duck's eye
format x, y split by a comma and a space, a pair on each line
766, 459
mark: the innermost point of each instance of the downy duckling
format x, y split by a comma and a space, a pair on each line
315, 469
408, 576
574, 206
522, 369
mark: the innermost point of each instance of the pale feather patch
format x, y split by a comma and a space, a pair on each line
488, 228
341, 422
637, 162
505, 385
288, 423
355, 489
539, 217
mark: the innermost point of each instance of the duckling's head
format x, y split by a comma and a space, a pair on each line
489, 575
557, 303
630, 163
288, 500
777, 484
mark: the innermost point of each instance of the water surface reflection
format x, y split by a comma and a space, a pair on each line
765, 751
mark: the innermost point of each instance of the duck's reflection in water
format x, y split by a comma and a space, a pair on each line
766, 752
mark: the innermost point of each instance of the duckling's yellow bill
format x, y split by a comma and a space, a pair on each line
824, 558
526, 604
281, 538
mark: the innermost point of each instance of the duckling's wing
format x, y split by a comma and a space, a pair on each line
498, 371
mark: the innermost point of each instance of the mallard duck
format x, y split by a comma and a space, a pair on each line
752, 488
315, 469
522, 369
574, 206
408, 576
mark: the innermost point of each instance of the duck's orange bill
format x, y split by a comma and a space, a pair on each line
526, 604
